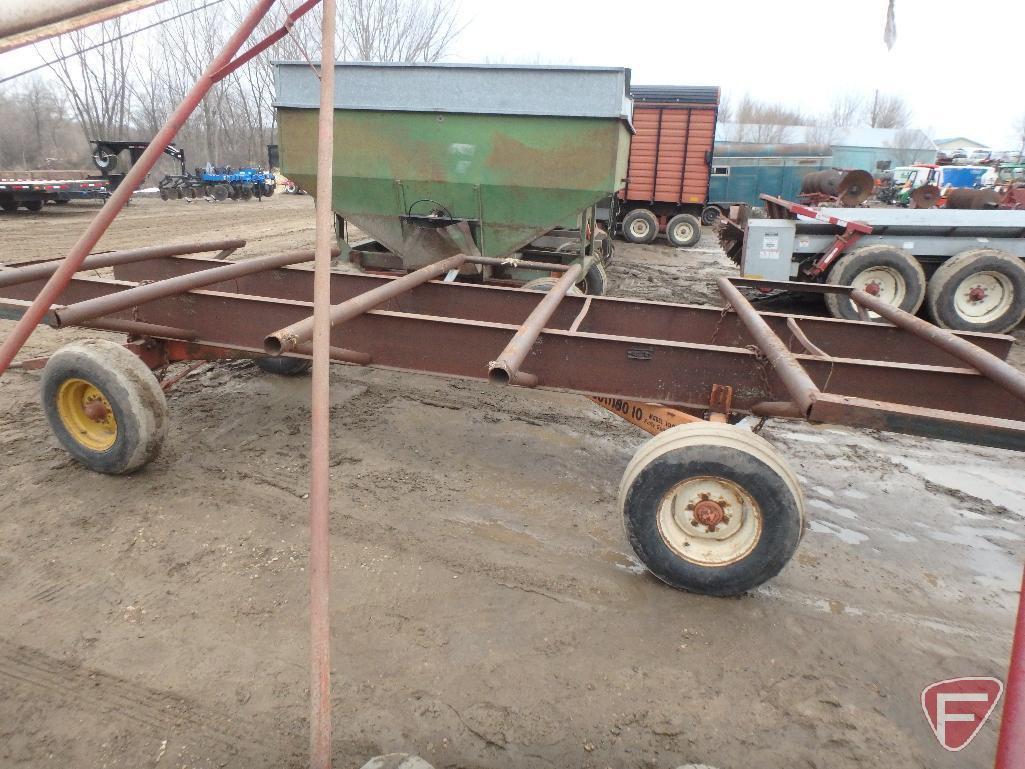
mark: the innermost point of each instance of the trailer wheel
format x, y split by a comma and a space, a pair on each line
246, 192
190, 193
268, 190
220, 191
889, 274
640, 226
544, 285
978, 290
9, 206
596, 280
283, 365
711, 508
683, 230
710, 215
33, 205
104, 405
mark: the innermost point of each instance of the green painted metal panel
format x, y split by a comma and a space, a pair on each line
513, 177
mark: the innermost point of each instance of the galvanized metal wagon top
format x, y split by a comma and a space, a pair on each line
483, 89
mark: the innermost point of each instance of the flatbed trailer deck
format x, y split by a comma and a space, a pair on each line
964, 266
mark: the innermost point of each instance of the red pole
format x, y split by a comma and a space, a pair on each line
1011, 745
117, 201
320, 412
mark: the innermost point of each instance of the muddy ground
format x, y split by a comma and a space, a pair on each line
487, 610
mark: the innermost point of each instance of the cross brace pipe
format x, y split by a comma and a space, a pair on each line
987, 364
800, 386
16, 275
300, 333
147, 292
506, 369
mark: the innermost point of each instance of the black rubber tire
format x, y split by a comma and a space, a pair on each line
246, 192
544, 285
8, 206
284, 366
596, 281
635, 221
603, 247
33, 205
944, 282
135, 397
849, 266
710, 215
683, 230
268, 190
710, 449
220, 192
190, 193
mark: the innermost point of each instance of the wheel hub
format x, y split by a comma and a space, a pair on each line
95, 409
872, 288
709, 513
976, 294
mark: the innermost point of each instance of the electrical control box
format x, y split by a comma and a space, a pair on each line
768, 249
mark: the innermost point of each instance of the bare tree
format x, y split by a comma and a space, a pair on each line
96, 81
399, 30
725, 109
887, 111
911, 146
766, 122
846, 110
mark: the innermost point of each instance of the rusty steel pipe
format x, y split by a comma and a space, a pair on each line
320, 412
30, 272
799, 385
986, 363
506, 369
50, 293
1011, 743
147, 292
139, 328
287, 339
780, 409
340, 354
25, 23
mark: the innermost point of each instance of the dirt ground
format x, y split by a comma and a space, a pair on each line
487, 610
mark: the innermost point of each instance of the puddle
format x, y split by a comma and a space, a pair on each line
843, 512
996, 484
849, 536
853, 494
498, 532
623, 561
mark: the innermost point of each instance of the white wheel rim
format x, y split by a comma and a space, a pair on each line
983, 297
709, 521
683, 232
884, 283
639, 228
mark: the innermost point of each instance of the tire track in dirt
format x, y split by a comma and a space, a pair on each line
162, 712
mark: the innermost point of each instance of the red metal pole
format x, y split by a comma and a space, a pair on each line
1011, 745
73, 261
320, 412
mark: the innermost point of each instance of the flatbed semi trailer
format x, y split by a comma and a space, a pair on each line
964, 266
31, 189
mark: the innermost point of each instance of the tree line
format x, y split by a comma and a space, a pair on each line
112, 82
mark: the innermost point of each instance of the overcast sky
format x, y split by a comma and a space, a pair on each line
955, 62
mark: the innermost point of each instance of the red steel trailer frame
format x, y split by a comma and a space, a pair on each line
694, 362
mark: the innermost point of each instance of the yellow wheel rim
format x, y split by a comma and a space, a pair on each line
86, 414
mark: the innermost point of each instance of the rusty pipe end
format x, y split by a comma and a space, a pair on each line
501, 373
277, 344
